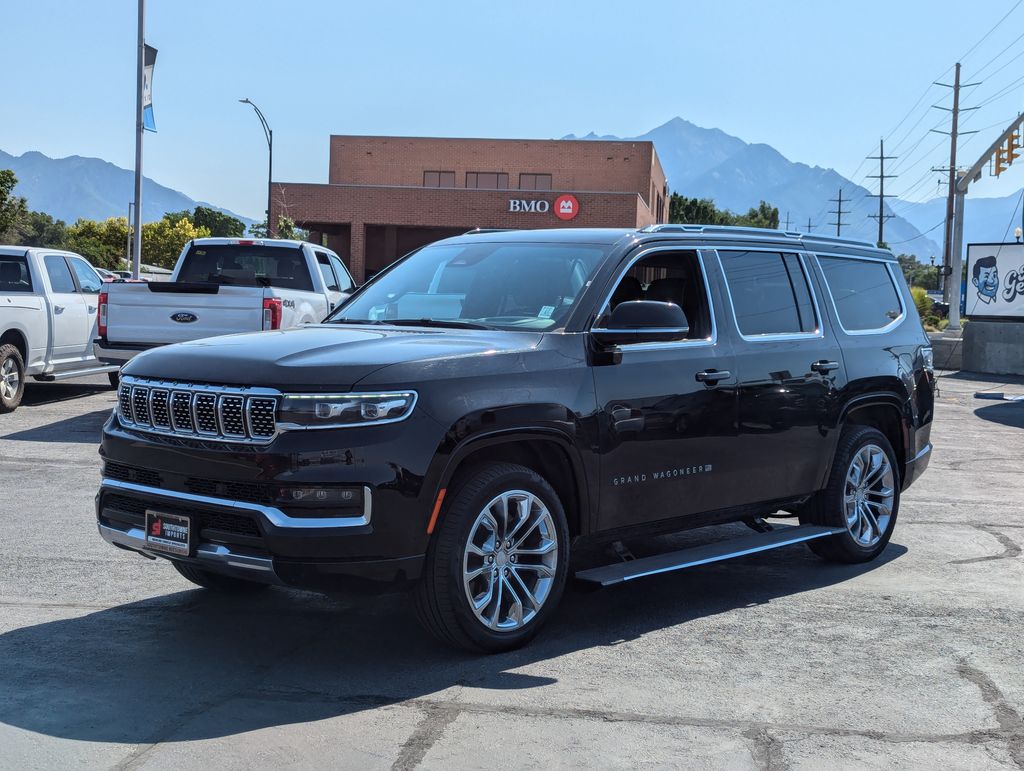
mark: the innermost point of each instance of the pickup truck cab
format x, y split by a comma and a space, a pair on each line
48, 301
221, 286
491, 403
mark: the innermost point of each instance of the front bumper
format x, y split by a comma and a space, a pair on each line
118, 353
256, 542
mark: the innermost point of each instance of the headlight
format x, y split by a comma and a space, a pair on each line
305, 411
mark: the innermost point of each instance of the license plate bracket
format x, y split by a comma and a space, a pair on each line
169, 533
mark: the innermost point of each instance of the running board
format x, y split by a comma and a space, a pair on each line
50, 377
608, 575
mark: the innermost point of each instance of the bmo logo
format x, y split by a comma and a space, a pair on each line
529, 207
565, 207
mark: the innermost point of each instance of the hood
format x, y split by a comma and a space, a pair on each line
317, 357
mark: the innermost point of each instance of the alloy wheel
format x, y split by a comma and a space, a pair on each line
510, 560
869, 495
10, 380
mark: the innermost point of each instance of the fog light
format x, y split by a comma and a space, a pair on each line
331, 499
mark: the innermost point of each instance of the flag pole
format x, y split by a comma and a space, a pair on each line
139, 127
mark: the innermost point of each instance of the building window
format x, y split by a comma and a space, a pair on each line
487, 180
534, 181
438, 179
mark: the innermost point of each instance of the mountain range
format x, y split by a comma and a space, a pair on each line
73, 187
700, 163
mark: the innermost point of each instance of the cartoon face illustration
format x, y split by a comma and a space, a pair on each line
986, 279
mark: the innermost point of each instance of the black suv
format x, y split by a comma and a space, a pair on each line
493, 401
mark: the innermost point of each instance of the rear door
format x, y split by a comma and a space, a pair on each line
666, 433
331, 279
68, 314
790, 371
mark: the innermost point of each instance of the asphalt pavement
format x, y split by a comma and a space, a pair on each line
777, 660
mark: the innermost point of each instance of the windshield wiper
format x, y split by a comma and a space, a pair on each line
442, 323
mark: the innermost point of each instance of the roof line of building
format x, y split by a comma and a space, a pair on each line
496, 139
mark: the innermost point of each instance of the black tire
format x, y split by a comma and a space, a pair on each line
441, 600
828, 507
217, 582
12, 364
114, 378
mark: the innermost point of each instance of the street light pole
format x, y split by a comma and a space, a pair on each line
268, 132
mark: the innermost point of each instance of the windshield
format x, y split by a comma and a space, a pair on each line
247, 265
499, 285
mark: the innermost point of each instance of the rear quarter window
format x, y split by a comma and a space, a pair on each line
865, 296
14, 275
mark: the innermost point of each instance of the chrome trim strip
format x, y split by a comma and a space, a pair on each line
816, 335
135, 539
275, 516
927, 449
895, 285
649, 346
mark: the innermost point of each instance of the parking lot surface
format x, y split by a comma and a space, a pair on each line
773, 661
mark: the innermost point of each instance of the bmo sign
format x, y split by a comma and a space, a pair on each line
565, 207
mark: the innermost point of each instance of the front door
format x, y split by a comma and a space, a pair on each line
89, 285
790, 372
667, 411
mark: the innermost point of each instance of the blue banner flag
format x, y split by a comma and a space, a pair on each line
147, 89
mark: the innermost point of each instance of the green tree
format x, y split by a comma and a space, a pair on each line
286, 228
702, 211
101, 243
162, 241
919, 274
13, 208
40, 229
218, 223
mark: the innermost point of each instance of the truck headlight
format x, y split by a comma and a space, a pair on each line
306, 411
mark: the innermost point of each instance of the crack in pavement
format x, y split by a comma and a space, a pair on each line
1011, 725
1010, 547
438, 716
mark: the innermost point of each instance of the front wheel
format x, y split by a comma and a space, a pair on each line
862, 497
497, 566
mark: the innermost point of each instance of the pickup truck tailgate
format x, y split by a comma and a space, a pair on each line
173, 313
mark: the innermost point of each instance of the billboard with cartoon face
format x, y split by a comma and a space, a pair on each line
995, 281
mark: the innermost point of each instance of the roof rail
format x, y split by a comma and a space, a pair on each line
487, 230
749, 231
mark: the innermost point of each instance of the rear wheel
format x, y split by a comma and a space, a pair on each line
12, 378
862, 497
497, 567
217, 582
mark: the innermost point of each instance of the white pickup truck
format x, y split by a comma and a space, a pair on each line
221, 286
48, 301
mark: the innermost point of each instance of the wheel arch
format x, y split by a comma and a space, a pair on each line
886, 411
16, 338
546, 451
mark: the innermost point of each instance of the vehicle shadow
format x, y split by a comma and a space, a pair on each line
38, 394
194, 665
1004, 413
85, 429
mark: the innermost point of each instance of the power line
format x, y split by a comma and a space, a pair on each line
881, 176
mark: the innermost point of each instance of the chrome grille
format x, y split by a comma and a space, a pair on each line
222, 413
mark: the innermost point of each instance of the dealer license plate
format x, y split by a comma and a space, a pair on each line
168, 533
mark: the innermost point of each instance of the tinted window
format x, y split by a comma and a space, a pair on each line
247, 265
487, 180
769, 293
345, 281
325, 270
535, 181
59, 274
864, 293
501, 285
673, 277
89, 282
14, 275
438, 179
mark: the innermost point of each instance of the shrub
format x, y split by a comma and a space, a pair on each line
922, 301
931, 321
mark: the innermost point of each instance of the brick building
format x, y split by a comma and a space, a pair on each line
388, 195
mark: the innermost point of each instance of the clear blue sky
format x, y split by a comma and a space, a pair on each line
818, 81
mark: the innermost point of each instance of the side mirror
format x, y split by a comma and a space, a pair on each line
642, 321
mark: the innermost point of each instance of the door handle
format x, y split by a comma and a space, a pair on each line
712, 376
824, 366
92, 308
58, 308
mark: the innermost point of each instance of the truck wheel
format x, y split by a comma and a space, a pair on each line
862, 497
497, 566
115, 379
217, 582
12, 378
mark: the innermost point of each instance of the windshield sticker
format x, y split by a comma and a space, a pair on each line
546, 311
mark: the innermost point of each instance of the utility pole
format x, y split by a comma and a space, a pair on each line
810, 227
787, 221
838, 211
881, 176
139, 131
947, 232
